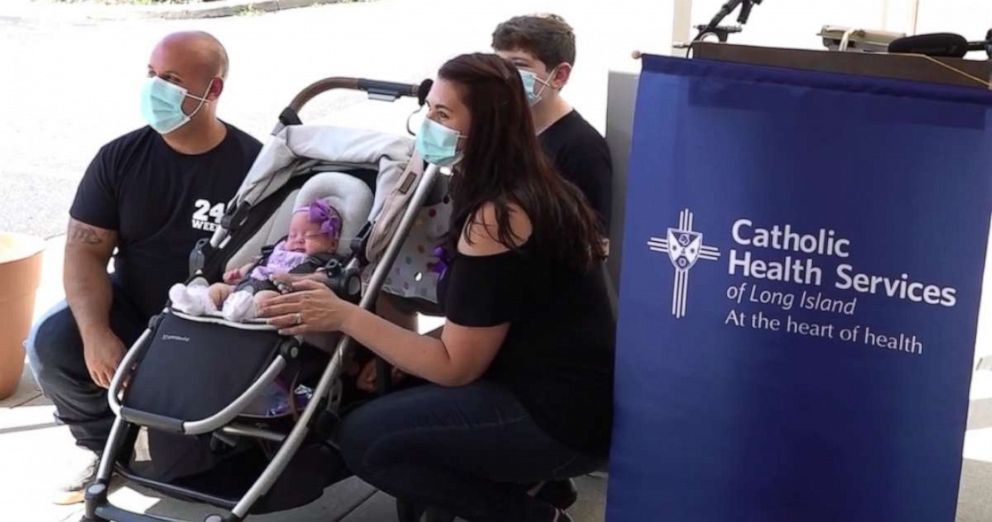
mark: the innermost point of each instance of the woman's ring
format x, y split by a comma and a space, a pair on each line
299, 318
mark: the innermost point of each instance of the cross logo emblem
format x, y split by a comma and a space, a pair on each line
684, 247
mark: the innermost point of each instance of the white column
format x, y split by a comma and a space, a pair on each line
900, 15
681, 23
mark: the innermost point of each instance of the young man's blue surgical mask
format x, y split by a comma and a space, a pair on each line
162, 104
530, 80
438, 144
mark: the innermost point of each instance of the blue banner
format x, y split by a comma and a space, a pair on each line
799, 295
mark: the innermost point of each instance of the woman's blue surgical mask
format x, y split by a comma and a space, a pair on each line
162, 104
530, 80
438, 144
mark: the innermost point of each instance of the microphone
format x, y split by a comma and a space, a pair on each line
936, 44
746, 11
725, 10
947, 45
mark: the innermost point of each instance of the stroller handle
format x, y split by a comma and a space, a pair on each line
377, 89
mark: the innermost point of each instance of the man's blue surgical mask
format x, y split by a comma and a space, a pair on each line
530, 81
438, 144
162, 104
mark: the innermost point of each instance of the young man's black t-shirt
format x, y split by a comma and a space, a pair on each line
160, 202
581, 156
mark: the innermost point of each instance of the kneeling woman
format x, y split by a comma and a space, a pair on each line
521, 379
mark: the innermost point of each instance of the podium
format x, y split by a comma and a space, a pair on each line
801, 259
891, 66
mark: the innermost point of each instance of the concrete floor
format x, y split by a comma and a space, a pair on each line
35, 450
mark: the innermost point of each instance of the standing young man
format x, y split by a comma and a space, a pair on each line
542, 47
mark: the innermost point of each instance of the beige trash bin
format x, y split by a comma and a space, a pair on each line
20, 275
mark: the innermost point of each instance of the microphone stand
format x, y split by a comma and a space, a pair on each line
723, 32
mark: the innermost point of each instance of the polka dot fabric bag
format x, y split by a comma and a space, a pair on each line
415, 273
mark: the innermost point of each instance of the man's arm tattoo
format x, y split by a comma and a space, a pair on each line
84, 234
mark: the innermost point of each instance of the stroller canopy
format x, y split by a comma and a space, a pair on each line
296, 148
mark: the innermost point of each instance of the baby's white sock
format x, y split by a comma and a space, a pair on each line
194, 298
182, 301
240, 306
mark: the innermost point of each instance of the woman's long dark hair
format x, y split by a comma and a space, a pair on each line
503, 164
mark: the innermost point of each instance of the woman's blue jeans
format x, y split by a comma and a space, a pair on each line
470, 450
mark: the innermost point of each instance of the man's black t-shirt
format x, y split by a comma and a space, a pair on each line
581, 156
160, 202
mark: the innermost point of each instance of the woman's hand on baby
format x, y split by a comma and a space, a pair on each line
311, 307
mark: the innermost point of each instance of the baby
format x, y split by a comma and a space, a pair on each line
313, 238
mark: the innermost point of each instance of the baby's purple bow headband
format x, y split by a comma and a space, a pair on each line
320, 212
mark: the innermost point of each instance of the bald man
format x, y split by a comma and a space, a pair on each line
150, 194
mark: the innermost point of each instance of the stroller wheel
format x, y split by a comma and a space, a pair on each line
96, 494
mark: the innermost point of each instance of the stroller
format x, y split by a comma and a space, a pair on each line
156, 387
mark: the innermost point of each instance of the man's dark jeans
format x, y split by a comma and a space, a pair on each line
55, 353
